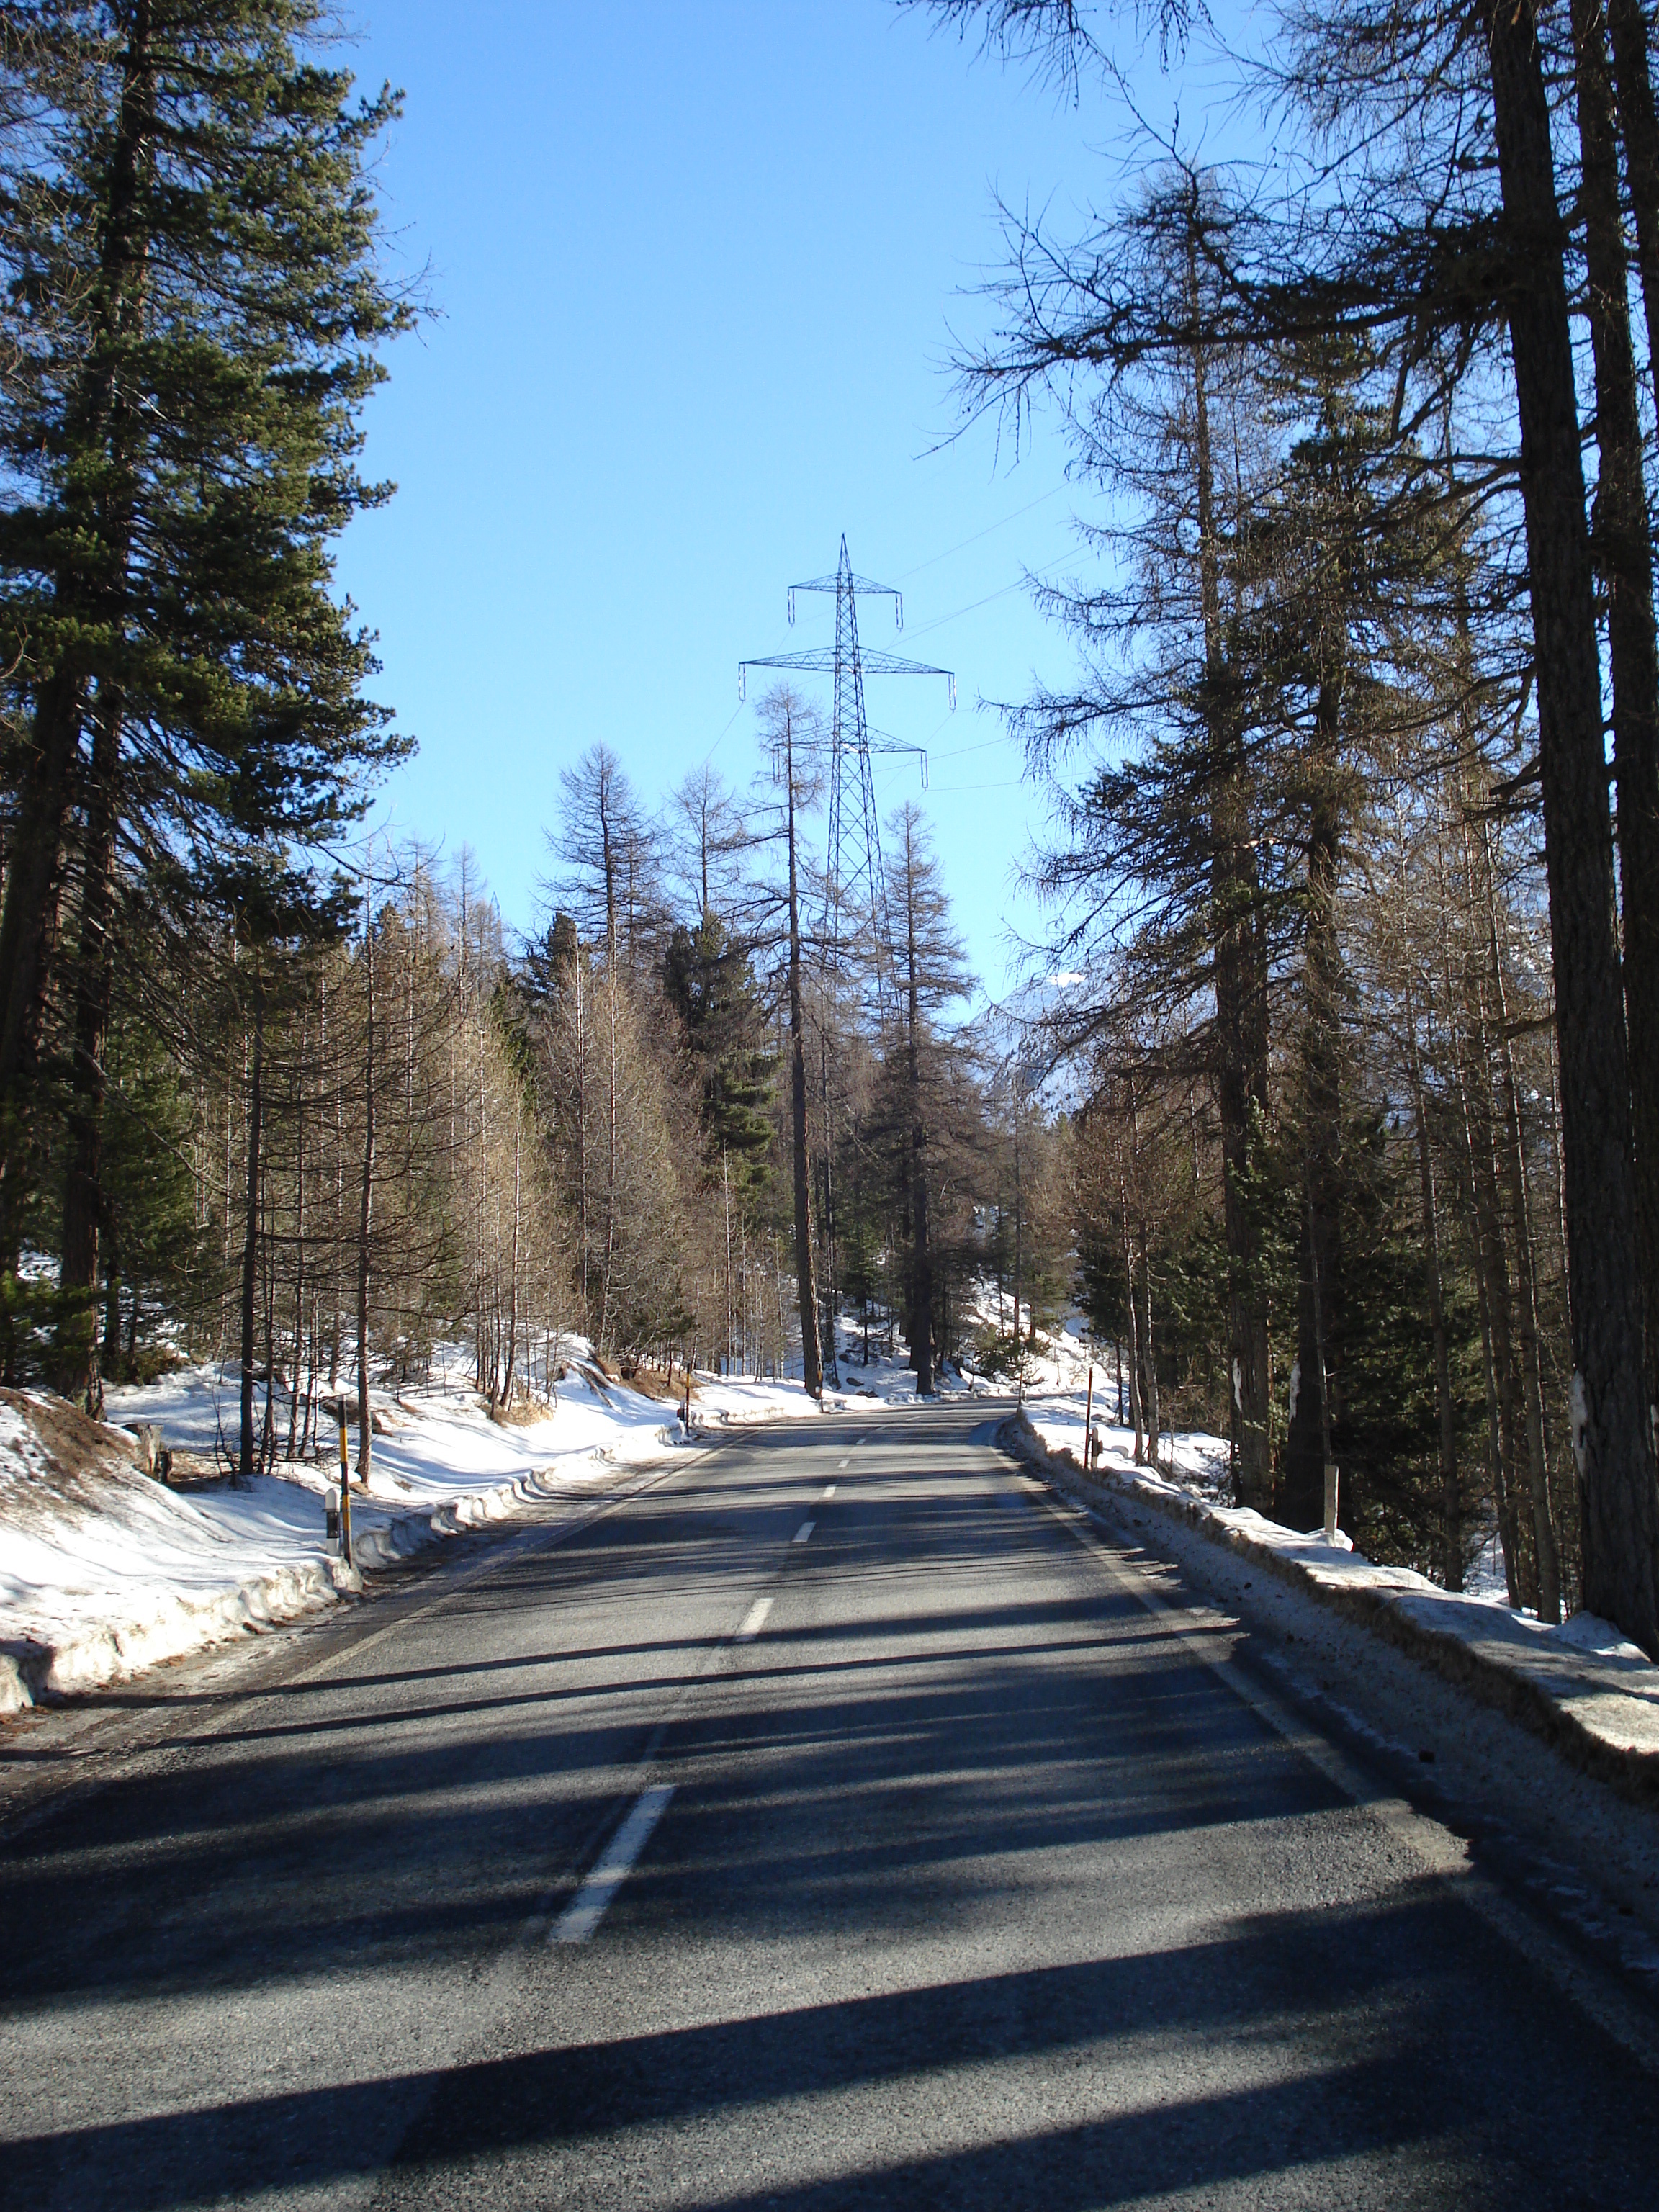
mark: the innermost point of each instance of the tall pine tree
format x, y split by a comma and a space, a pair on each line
194, 304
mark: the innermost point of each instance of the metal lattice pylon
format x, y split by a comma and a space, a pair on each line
856, 888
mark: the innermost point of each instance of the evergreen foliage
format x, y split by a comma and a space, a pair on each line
192, 308
708, 980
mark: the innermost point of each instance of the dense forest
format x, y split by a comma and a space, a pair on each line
1363, 897
274, 1093
1333, 1100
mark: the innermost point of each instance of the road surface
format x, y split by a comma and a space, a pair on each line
835, 1823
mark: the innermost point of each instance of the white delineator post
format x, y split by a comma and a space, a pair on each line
345, 1483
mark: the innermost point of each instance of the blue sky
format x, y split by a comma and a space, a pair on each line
695, 268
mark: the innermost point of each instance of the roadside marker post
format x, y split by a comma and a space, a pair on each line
345, 1482
1088, 1423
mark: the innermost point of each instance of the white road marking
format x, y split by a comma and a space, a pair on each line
829, 1489
541, 1535
1443, 1853
587, 1909
843, 1462
802, 1533
755, 1620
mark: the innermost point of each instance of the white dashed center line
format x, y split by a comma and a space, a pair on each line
843, 1462
802, 1533
755, 1620
829, 1489
586, 1910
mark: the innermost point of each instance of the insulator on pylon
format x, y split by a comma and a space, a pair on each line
791, 606
898, 610
951, 689
924, 771
743, 683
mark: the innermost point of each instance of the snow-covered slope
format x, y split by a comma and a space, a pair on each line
104, 1571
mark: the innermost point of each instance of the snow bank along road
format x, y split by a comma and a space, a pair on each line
835, 1822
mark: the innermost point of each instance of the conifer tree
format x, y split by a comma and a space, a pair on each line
194, 305
1442, 227
929, 973
708, 980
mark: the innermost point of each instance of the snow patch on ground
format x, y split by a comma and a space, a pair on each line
105, 1571
1193, 1467
889, 1375
1586, 1633
1190, 1459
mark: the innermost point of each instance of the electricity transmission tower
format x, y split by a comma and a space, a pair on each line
855, 889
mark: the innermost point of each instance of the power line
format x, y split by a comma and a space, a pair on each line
933, 559
1033, 576
715, 747
983, 744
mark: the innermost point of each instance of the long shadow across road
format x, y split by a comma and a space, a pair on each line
976, 1889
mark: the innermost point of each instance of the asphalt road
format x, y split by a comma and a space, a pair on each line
927, 1851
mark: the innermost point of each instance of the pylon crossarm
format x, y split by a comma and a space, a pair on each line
894, 664
820, 660
862, 585
881, 743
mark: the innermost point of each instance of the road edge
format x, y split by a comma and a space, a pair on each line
1629, 1769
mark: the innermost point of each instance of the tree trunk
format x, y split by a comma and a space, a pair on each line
28, 932
1627, 20
1020, 1213
251, 1235
1532, 1373
579, 1046
830, 1287
1492, 1271
296, 1415
1611, 1436
1624, 556
922, 1279
611, 1139
75, 1359
99, 428
1135, 1411
1472, 1060
512, 1262
1148, 1352
1241, 1010
1319, 1303
268, 1432
338, 1270
1451, 1508
811, 1364
366, 1213
110, 1358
